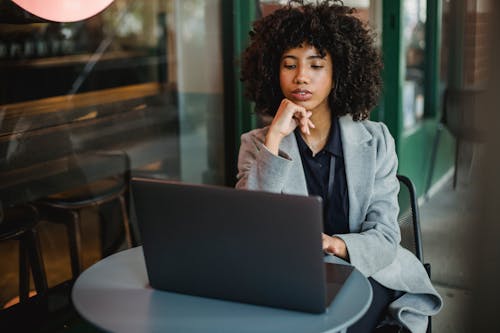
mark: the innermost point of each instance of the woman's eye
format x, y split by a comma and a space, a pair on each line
289, 66
317, 66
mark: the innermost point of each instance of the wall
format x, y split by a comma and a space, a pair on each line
199, 80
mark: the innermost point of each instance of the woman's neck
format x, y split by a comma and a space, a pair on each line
322, 121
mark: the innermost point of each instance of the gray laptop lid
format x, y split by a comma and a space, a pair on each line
247, 246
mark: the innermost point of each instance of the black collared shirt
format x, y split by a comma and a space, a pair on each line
317, 171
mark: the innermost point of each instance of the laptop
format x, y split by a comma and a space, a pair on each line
246, 246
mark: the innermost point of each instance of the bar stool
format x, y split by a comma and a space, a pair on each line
65, 208
19, 223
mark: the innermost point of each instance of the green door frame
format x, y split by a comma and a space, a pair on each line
237, 17
392, 51
433, 34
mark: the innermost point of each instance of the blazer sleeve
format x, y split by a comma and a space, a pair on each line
258, 168
375, 245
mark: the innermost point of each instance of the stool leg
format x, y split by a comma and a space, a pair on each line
111, 212
109, 235
126, 225
75, 243
36, 261
24, 277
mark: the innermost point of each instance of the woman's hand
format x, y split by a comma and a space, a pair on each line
336, 246
287, 118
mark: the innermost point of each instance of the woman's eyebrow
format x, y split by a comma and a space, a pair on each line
316, 56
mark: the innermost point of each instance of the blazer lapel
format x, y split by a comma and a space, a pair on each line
297, 180
359, 157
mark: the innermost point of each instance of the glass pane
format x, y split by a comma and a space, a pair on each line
414, 18
140, 77
137, 87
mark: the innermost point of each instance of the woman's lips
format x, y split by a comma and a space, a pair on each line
301, 95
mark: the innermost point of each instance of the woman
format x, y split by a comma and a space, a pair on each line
314, 70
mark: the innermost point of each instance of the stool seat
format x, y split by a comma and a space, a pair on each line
16, 221
90, 194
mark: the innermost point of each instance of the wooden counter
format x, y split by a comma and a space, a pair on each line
49, 145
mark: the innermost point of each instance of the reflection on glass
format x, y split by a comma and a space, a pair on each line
414, 18
137, 87
142, 77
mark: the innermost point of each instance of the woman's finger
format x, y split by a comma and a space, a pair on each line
305, 126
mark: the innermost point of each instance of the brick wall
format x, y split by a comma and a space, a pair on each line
476, 46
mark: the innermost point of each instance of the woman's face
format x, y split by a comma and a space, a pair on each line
306, 77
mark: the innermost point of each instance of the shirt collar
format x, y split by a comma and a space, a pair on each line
334, 143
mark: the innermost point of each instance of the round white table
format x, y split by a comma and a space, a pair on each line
114, 295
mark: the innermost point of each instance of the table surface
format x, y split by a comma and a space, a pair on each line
114, 295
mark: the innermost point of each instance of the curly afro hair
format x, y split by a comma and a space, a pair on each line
331, 28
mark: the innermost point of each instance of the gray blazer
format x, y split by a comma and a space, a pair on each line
373, 244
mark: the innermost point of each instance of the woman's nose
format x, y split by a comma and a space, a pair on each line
301, 76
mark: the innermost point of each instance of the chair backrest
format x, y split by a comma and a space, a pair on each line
409, 218
409, 224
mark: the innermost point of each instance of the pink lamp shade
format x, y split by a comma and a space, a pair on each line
63, 10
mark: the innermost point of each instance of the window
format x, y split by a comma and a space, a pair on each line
414, 18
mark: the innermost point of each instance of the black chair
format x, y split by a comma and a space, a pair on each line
19, 223
65, 207
409, 223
